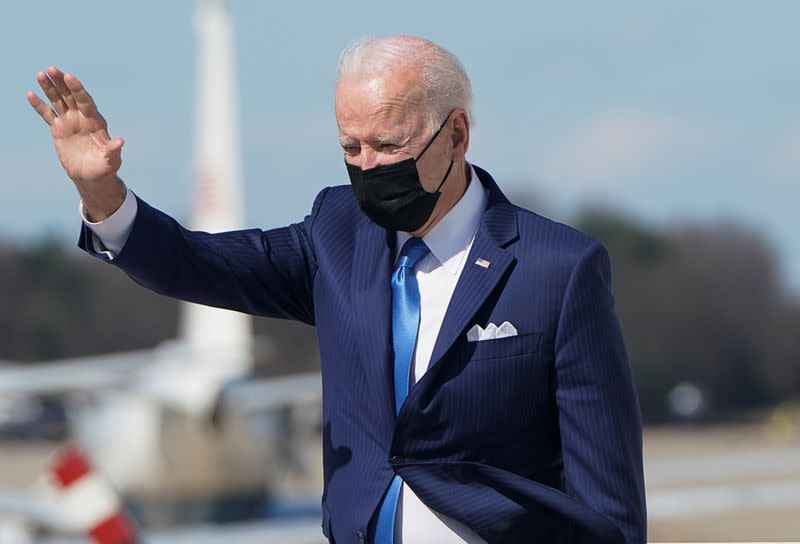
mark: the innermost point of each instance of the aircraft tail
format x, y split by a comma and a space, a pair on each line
218, 190
88, 501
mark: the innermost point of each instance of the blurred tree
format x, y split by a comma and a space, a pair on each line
57, 303
698, 303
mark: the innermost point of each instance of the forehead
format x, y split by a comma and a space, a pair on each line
366, 106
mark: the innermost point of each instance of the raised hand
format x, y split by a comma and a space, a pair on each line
88, 154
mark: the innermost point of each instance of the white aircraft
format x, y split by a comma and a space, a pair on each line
118, 403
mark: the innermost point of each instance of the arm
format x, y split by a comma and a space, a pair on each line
599, 418
267, 273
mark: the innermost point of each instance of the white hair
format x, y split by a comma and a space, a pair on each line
443, 80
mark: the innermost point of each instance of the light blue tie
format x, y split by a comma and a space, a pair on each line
405, 323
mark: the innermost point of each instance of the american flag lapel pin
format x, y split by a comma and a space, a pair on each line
483, 263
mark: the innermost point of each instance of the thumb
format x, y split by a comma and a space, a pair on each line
114, 145
112, 150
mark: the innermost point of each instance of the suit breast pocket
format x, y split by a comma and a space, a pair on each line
500, 388
510, 346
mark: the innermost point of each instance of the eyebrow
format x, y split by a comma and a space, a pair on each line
396, 139
391, 139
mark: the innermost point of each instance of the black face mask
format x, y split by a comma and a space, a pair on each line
392, 195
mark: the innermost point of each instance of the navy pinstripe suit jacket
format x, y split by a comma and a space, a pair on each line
531, 438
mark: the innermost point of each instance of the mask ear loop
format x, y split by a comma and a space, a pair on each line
438, 189
435, 134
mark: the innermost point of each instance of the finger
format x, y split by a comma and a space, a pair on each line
58, 78
52, 93
47, 113
83, 99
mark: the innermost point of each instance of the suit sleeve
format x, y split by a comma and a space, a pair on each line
266, 273
599, 417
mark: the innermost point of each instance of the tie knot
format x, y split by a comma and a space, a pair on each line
413, 251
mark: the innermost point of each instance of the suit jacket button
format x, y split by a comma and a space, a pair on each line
395, 460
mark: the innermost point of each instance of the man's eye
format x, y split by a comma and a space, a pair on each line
389, 148
351, 149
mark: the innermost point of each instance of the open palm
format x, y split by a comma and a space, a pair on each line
80, 134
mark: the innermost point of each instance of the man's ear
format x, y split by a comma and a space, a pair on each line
460, 137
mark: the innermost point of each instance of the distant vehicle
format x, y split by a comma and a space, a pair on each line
27, 417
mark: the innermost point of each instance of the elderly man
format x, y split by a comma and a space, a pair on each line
476, 386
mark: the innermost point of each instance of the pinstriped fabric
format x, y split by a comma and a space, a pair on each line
587, 325
530, 438
353, 325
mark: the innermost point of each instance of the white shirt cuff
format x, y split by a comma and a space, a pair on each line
110, 234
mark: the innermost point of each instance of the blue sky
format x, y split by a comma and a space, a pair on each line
673, 110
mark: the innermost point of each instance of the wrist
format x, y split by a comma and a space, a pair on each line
101, 201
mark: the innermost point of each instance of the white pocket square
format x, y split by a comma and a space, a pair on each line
491, 332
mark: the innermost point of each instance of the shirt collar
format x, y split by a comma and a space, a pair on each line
454, 232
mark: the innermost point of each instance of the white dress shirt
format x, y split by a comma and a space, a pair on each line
437, 274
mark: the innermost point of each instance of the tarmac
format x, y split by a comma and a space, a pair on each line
705, 483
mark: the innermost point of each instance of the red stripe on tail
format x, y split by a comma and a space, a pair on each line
70, 466
114, 530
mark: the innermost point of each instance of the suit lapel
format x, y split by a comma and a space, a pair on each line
473, 288
497, 229
372, 302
